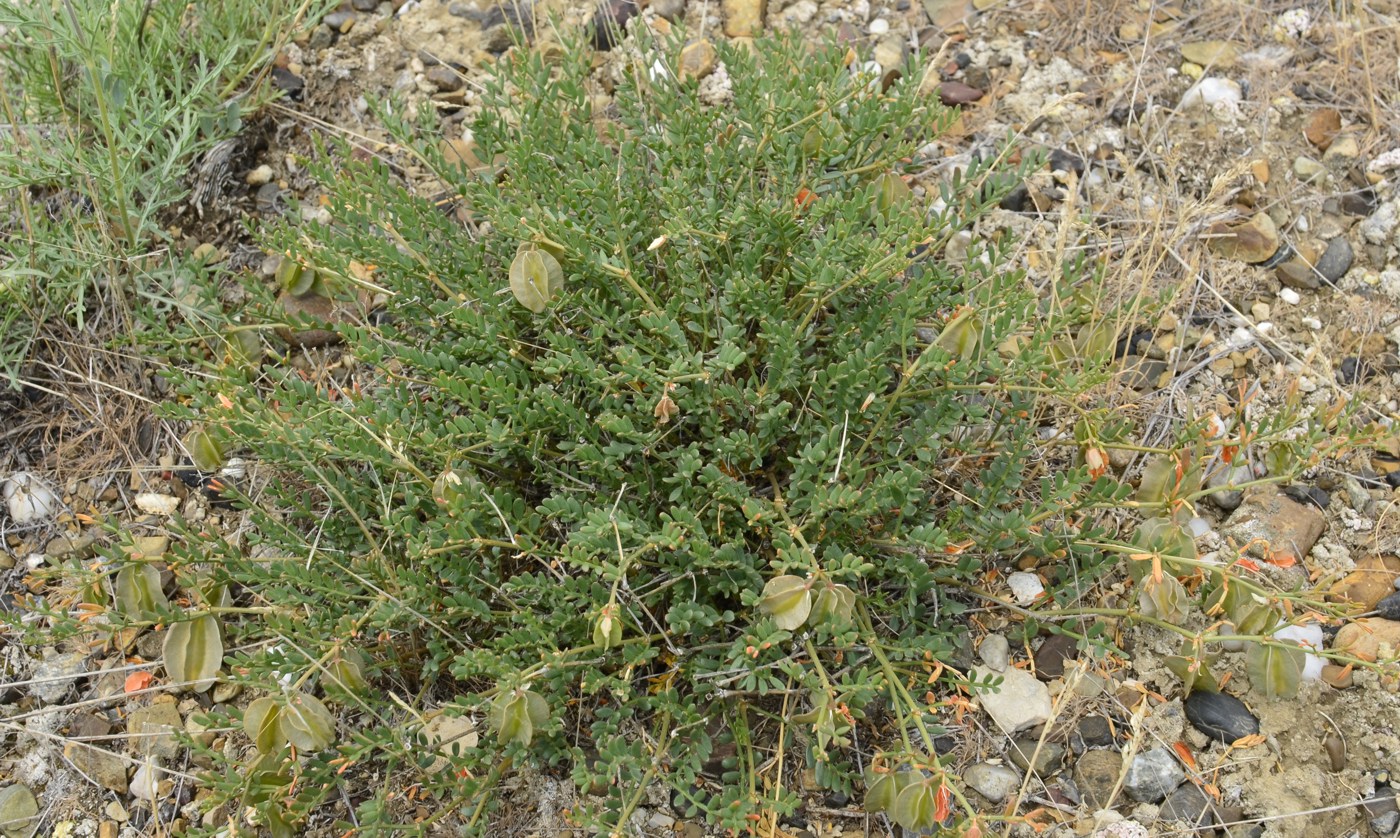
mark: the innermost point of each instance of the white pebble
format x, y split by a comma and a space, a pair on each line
1221, 95
1308, 635
1025, 587
154, 504
1240, 338
30, 500
879, 26
1288, 295
259, 176
1312, 323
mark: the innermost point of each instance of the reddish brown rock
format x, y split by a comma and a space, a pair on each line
1323, 127
1364, 638
1274, 527
957, 93
1371, 581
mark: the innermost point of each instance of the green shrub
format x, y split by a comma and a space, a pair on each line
673, 442
107, 106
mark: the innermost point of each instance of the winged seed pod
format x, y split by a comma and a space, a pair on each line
835, 603
881, 790
919, 805
1275, 670
306, 723
260, 722
204, 450
294, 277
607, 631
138, 592
453, 485
194, 651
516, 714
963, 334
535, 278
788, 600
889, 193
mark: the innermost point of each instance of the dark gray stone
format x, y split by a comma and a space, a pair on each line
444, 78
321, 37
1220, 716
1095, 774
1188, 803
1049, 759
1054, 651
1336, 260
1389, 607
339, 21
1095, 732
1153, 775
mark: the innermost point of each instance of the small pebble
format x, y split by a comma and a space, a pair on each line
957, 93
1336, 751
1288, 295
1312, 323
1220, 716
879, 26
995, 652
1336, 260
259, 176
1389, 607
1025, 587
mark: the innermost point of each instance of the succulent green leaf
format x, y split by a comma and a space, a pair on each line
535, 278
260, 722
812, 141
1275, 669
788, 600
306, 723
194, 651
139, 595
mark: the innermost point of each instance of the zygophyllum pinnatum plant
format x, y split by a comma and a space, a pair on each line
679, 434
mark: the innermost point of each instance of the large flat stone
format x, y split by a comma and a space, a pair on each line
1272, 526
1022, 702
